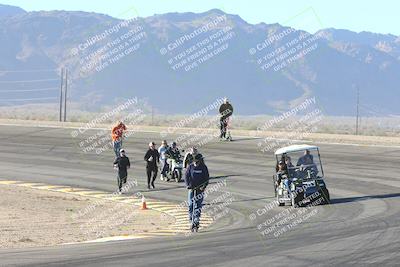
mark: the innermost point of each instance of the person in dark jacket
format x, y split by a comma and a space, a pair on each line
152, 157
122, 163
196, 180
189, 157
225, 110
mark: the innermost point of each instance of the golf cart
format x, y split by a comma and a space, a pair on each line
300, 183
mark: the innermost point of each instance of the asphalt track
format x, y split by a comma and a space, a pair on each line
360, 228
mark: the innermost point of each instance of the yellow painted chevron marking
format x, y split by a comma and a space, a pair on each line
173, 231
165, 209
166, 206
155, 201
176, 214
9, 182
36, 185
66, 190
28, 184
181, 221
59, 189
115, 197
100, 195
172, 211
181, 216
49, 187
87, 193
158, 205
130, 200
181, 224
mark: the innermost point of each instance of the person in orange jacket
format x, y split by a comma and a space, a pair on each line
117, 133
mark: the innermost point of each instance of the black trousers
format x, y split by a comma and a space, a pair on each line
151, 174
121, 180
223, 123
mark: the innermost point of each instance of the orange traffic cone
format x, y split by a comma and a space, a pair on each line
144, 206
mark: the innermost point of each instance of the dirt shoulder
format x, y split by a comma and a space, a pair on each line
313, 137
31, 217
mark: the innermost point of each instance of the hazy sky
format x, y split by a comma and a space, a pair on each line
377, 16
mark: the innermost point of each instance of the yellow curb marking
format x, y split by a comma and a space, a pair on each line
180, 214
9, 182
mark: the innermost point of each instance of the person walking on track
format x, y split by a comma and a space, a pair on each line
226, 111
151, 157
122, 164
196, 180
117, 133
162, 150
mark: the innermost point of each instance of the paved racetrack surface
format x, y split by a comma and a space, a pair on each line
359, 228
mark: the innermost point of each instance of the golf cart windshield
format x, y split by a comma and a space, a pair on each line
301, 162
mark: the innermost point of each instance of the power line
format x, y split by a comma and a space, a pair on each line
29, 81
25, 71
29, 90
29, 99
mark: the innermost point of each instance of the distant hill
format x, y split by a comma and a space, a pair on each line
7, 11
341, 61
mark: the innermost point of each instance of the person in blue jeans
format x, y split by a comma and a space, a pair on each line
282, 174
196, 180
162, 150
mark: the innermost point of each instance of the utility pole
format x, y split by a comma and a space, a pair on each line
65, 95
61, 93
358, 108
152, 115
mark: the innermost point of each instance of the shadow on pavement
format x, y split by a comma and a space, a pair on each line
223, 176
361, 198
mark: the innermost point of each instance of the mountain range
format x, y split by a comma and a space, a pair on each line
182, 62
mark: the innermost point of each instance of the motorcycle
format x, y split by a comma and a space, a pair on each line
175, 166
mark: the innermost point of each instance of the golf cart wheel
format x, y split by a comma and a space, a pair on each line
280, 203
325, 196
297, 200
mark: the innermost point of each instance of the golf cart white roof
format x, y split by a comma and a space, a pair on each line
294, 148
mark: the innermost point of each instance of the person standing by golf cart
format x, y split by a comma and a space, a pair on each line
163, 150
117, 133
225, 111
151, 157
196, 180
122, 164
